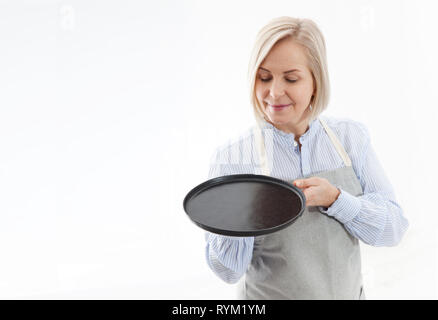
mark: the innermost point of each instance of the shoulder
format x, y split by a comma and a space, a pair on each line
346, 126
233, 148
351, 133
235, 142
233, 156
354, 137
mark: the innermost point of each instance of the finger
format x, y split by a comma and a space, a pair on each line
305, 183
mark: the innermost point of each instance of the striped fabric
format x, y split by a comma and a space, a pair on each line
374, 218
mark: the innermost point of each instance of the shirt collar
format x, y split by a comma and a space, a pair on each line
314, 126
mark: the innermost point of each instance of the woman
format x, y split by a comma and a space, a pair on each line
348, 197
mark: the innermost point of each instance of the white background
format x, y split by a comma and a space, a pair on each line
110, 111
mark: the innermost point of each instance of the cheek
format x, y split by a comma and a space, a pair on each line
300, 93
260, 93
258, 89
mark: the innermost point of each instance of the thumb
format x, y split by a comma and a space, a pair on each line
300, 183
305, 183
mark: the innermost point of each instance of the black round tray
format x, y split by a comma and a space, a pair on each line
244, 205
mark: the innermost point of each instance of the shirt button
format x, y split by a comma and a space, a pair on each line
295, 143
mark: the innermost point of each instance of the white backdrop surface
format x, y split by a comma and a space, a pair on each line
110, 111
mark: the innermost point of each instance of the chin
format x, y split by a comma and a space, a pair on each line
279, 119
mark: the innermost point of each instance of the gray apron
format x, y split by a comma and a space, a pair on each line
315, 257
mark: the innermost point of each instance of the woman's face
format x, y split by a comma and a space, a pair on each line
284, 79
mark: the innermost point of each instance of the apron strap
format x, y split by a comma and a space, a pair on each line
336, 143
260, 147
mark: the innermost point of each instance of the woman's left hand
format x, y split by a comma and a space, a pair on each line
318, 191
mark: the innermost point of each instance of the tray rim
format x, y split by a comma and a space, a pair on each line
232, 178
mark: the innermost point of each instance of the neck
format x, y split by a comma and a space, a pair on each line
298, 129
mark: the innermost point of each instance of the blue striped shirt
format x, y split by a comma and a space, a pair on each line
374, 217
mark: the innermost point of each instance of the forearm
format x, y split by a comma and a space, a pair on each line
228, 257
373, 218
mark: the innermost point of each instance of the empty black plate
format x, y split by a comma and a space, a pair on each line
244, 205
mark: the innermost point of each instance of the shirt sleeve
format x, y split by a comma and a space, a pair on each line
375, 217
228, 257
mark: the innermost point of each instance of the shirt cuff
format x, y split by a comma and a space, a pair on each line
344, 209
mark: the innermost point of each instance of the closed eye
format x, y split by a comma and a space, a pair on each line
288, 80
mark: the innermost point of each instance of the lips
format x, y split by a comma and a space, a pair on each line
279, 106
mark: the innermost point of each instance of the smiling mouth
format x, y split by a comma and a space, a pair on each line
279, 107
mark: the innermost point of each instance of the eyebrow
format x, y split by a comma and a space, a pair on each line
283, 72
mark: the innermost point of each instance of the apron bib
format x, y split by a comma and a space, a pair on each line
315, 257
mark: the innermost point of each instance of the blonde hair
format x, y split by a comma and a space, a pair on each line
306, 33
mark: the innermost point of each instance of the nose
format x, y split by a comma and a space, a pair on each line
276, 90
